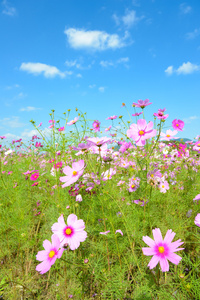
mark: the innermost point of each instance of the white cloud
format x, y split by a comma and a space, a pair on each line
12, 122
10, 87
185, 9
169, 70
122, 60
79, 75
190, 119
29, 108
128, 20
38, 68
91, 86
105, 63
71, 63
188, 68
101, 89
95, 40
185, 68
192, 35
8, 9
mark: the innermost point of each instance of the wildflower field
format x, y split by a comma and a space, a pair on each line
88, 212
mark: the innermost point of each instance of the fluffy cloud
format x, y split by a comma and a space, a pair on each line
38, 68
29, 108
95, 40
122, 60
185, 9
8, 9
101, 89
185, 68
128, 20
190, 119
12, 122
192, 35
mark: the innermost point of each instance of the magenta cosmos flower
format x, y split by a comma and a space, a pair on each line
160, 114
49, 255
178, 124
142, 103
96, 125
71, 233
72, 174
141, 131
34, 176
162, 250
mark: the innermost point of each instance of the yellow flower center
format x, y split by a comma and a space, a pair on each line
133, 186
152, 175
141, 132
161, 249
167, 135
51, 253
198, 145
68, 231
74, 173
177, 124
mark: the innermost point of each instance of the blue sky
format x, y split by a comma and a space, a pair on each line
94, 55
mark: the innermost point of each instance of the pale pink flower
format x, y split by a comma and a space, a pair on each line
98, 141
112, 118
162, 250
168, 135
108, 128
49, 255
108, 174
141, 131
142, 103
137, 114
164, 186
178, 124
197, 220
73, 121
71, 233
119, 230
104, 233
197, 198
72, 174
79, 198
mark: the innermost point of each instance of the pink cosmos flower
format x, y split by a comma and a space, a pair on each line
197, 220
39, 125
164, 186
108, 174
168, 135
141, 131
178, 124
105, 232
119, 230
112, 118
196, 146
72, 174
98, 141
162, 250
142, 103
61, 128
73, 121
160, 114
197, 198
108, 128
72, 234
137, 114
96, 126
34, 176
49, 255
